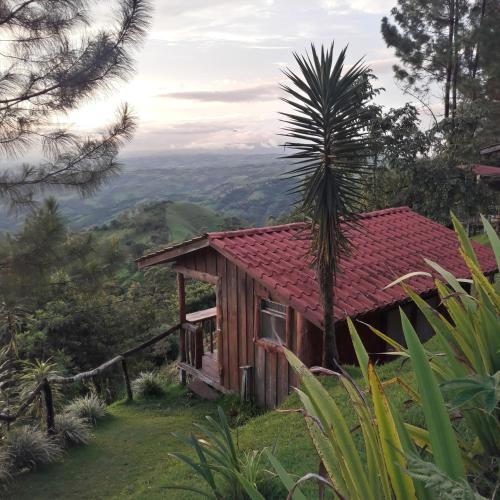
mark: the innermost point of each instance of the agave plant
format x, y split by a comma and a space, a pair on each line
34, 372
327, 129
10, 321
227, 472
468, 336
388, 443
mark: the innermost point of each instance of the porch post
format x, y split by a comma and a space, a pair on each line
181, 295
218, 329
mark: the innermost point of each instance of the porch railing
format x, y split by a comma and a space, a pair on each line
197, 336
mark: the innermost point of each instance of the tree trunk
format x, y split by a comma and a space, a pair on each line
49, 408
456, 65
330, 352
449, 63
476, 59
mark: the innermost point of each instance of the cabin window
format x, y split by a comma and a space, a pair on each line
272, 321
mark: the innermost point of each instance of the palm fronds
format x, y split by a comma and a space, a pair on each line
327, 130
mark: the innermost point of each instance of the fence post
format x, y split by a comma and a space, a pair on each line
126, 378
49, 407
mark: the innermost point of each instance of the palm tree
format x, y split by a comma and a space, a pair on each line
327, 130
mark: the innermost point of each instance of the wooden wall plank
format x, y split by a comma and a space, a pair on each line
232, 325
260, 376
250, 320
185, 261
293, 380
282, 383
211, 262
242, 321
200, 259
221, 266
271, 376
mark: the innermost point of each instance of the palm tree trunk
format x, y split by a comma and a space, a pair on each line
330, 352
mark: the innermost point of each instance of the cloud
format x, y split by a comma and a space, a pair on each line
382, 65
253, 135
215, 21
264, 92
181, 7
191, 128
365, 6
206, 35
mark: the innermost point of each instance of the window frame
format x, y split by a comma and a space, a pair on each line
268, 343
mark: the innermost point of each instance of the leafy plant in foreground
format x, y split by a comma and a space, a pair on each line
396, 465
227, 472
387, 442
468, 335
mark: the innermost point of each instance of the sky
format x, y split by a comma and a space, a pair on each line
208, 74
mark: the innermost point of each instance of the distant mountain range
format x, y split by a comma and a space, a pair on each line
250, 187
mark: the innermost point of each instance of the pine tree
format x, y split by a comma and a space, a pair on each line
52, 64
449, 43
426, 35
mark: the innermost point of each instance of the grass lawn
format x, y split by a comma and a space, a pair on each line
482, 239
129, 456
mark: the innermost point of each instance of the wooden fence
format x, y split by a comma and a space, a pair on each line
44, 387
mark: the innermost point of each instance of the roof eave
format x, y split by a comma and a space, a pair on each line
170, 254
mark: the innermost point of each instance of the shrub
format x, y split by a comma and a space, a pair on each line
72, 430
29, 448
170, 373
90, 408
5, 465
148, 384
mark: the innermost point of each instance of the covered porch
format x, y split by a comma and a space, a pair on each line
199, 336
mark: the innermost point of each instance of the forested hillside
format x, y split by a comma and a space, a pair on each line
247, 186
75, 298
153, 225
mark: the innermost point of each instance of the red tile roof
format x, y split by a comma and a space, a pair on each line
486, 170
482, 170
388, 244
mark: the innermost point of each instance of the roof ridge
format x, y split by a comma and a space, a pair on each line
255, 230
385, 211
297, 225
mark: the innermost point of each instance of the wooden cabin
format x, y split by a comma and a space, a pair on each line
267, 296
